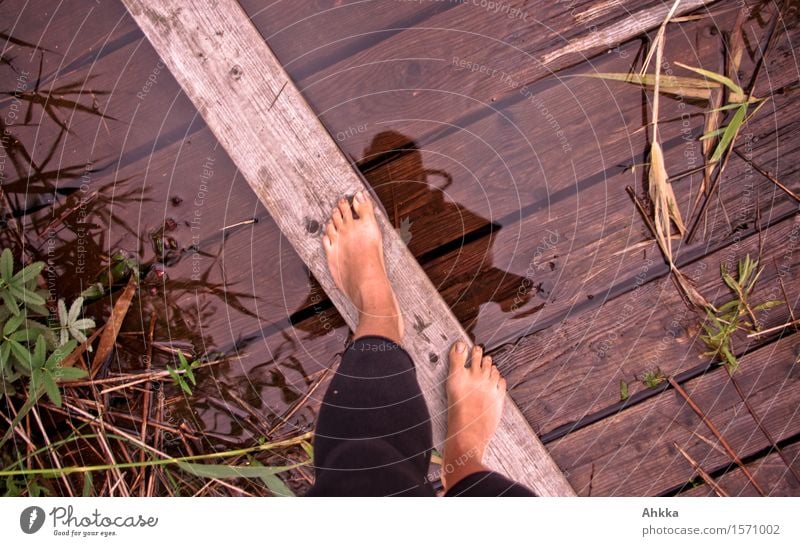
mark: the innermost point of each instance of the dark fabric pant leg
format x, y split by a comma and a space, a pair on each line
373, 434
488, 484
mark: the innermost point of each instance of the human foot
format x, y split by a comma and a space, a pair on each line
354, 248
475, 397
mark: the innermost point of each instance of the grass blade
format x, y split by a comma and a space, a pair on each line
719, 78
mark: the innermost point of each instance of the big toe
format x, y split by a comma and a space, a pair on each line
362, 204
458, 356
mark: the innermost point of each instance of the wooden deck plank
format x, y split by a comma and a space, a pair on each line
531, 189
632, 453
770, 471
309, 36
420, 59
515, 283
236, 84
574, 368
511, 156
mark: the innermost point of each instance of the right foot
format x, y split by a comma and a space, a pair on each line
475, 397
354, 248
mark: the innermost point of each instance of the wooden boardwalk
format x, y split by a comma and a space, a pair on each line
504, 171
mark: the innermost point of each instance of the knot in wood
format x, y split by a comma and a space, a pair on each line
312, 226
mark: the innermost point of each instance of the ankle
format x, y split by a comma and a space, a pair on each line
453, 473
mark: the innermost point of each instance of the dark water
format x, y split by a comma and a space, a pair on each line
104, 155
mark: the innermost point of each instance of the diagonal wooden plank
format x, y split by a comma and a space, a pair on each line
298, 173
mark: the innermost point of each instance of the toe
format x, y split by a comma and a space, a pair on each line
486, 365
326, 242
494, 373
362, 204
346, 211
501, 385
336, 218
458, 356
477, 356
330, 230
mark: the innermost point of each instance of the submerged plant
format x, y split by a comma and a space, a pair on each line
29, 348
734, 315
71, 323
184, 371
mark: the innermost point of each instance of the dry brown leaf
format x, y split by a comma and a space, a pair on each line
112, 327
691, 293
665, 206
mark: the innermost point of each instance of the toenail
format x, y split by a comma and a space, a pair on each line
361, 197
460, 347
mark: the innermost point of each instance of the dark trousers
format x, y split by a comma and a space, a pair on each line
373, 435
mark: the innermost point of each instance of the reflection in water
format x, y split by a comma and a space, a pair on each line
465, 290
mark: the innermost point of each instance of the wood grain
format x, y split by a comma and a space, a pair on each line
298, 173
770, 471
581, 360
632, 453
409, 79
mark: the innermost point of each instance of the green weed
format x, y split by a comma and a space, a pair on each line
735, 315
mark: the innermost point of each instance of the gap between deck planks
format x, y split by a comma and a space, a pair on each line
298, 173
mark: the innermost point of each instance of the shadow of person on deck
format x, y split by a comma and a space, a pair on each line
414, 199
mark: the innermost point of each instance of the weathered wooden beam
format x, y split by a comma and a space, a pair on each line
298, 172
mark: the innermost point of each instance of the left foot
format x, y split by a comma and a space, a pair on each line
354, 248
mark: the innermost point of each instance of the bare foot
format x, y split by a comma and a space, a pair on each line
354, 247
475, 397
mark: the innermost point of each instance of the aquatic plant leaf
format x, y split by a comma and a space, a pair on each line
223, 471
12, 325
21, 353
276, 486
51, 388
5, 355
679, 86
60, 353
11, 303
28, 273
712, 134
6, 265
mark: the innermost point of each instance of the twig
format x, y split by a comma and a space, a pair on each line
689, 295
151, 486
761, 426
21, 432
702, 473
713, 428
768, 176
142, 378
146, 403
53, 457
795, 322
285, 418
